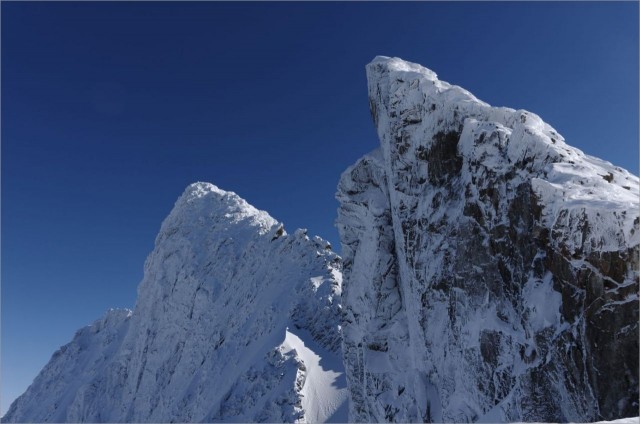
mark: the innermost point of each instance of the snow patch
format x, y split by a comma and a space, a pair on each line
324, 394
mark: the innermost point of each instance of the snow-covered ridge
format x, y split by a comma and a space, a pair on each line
490, 258
225, 291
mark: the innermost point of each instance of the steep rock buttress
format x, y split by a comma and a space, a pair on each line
490, 270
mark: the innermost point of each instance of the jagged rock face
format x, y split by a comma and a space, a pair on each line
230, 314
490, 270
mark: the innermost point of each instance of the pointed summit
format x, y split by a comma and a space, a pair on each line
207, 206
231, 319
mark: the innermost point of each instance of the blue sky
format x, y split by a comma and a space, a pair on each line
110, 109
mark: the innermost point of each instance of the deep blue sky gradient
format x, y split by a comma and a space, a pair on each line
109, 110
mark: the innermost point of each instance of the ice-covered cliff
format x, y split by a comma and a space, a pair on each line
490, 270
236, 321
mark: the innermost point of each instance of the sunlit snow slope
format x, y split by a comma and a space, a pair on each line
490, 269
236, 321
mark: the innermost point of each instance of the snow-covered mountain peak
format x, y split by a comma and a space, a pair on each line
235, 321
495, 262
446, 128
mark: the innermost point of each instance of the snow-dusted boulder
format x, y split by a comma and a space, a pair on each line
490, 270
236, 320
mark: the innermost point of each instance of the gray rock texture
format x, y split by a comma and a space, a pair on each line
490, 270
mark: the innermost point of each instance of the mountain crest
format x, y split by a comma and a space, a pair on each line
490, 258
231, 318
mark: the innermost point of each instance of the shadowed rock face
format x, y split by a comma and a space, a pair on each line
490, 270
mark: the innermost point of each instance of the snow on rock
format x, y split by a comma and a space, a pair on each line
324, 394
490, 269
217, 333
630, 420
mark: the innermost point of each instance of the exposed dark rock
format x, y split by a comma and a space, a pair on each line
510, 300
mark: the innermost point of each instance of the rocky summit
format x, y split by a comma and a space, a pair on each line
490, 269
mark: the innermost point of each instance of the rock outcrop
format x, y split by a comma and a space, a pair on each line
491, 274
232, 314
490, 270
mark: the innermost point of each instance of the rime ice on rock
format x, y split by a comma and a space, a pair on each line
490, 270
231, 315
491, 274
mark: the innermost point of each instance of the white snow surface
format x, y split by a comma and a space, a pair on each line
324, 394
630, 420
450, 233
236, 321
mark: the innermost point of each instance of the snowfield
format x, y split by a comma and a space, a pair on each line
325, 388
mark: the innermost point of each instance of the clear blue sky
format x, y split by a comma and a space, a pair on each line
110, 109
